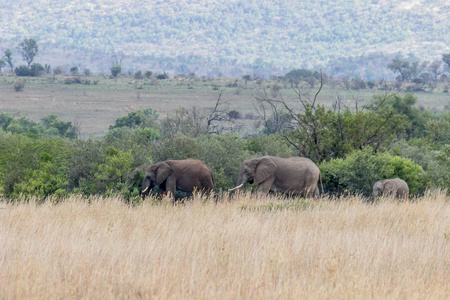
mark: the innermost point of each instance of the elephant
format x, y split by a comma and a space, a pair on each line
293, 175
185, 175
395, 187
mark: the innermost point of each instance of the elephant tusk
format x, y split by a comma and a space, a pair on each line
238, 187
144, 190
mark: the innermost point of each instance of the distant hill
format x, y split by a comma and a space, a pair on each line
232, 37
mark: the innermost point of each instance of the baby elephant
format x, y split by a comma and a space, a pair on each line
390, 187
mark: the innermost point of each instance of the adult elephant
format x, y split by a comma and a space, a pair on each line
395, 187
293, 175
185, 175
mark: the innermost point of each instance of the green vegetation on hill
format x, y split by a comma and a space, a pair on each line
232, 38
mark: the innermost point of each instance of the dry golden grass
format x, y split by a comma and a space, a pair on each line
245, 248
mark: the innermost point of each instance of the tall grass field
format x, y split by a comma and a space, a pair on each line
240, 247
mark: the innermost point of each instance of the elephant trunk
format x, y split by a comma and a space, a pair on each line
375, 195
239, 183
242, 178
147, 187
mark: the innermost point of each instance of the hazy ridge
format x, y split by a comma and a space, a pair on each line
355, 38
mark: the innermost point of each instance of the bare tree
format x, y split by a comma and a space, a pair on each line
435, 69
285, 114
117, 58
220, 119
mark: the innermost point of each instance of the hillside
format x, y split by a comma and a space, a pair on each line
355, 38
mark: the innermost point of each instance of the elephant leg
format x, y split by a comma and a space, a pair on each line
389, 191
265, 186
171, 185
316, 193
162, 194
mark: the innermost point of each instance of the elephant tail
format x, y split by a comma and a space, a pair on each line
213, 181
321, 185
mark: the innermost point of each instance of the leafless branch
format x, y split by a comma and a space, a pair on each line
220, 119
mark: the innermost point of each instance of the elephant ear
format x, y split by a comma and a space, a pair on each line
264, 169
162, 172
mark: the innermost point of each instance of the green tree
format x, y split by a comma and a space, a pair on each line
116, 70
322, 133
416, 118
402, 67
148, 74
2, 64
8, 58
74, 70
28, 48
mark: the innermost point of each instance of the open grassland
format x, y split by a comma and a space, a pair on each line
239, 248
94, 106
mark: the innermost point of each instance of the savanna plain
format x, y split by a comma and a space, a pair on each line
96, 104
231, 247
238, 246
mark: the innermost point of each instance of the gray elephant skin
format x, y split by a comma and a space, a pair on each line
293, 175
395, 187
185, 175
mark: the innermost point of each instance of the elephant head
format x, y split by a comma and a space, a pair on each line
155, 175
256, 170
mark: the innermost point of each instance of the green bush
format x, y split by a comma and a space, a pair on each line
137, 141
146, 118
438, 129
83, 157
435, 163
22, 71
32, 166
19, 85
112, 175
177, 146
273, 144
116, 70
60, 128
49, 126
44, 181
224, 155
359, 170
36, 70
98, 168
